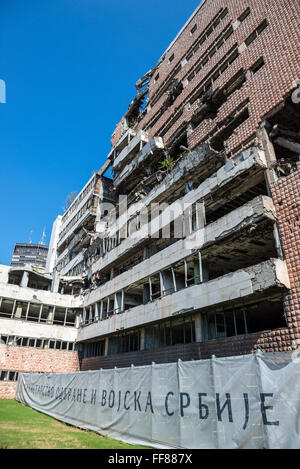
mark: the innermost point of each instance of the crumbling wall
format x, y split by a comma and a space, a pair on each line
252, 37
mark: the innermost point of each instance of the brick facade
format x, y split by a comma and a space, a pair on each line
264, 89
269, 341
29, 359
286, 196
7, 389
239, 25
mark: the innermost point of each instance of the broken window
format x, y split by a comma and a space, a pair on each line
256, 33
244, 15
136, 108
171, 332
133, 296
178, 144
250, 246
257, 65
15, 279
7, 375
167, 279
7, 307
34, 312
59, 315
232, 123
124, 343
174, 90
217, 71
284, 132
266, 316
222, 205
155, 287
70, 316
94, 349
256, 317
108, 307
20, 310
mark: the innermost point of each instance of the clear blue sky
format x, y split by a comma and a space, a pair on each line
70, 67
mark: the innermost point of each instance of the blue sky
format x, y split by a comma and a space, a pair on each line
70, 67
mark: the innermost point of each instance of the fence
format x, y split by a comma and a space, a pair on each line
249, 401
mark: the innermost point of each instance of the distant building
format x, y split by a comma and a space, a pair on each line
35, 254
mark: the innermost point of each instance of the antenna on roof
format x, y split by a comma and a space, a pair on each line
30, 237
43, 236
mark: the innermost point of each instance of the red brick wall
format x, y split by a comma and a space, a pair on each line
270, 341
286, 196
35, 360
265, 89
278, 340
7, 389
117, 133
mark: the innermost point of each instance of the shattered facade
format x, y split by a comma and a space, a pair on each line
193, 248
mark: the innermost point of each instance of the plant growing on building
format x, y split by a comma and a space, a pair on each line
167, 164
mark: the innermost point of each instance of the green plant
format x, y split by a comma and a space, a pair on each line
167, 164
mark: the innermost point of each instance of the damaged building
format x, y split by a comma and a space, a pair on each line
192, 248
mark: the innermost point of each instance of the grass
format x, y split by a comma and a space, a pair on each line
24, 428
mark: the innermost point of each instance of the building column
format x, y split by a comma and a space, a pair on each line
25, 279
27, 310
106, 346
50, 317
55, 283
78, 319
13, 309
142, 345
185, 273
65, 316
84, 315
18, 311
97, 315
198, 328
40, 314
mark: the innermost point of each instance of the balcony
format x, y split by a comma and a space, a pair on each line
131, 150
152, 148
122, 143
259, 209
266, 276
249, 166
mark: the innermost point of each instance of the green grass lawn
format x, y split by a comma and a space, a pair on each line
23, 428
